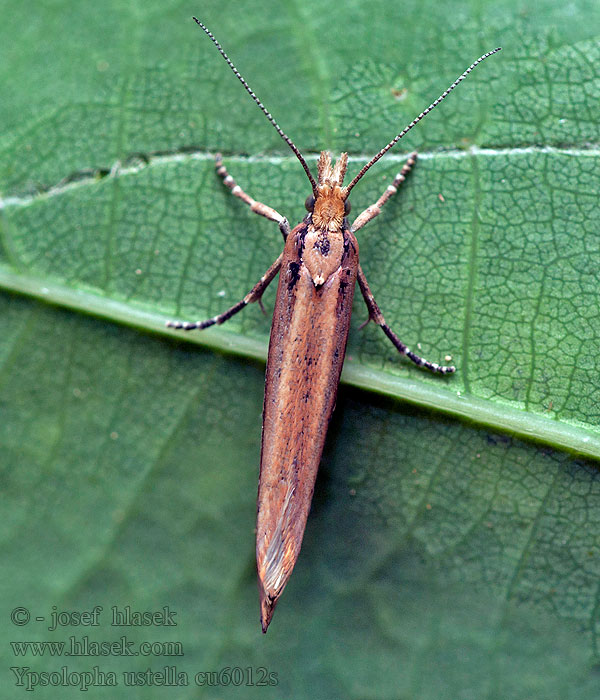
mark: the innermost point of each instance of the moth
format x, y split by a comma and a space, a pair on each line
318, 270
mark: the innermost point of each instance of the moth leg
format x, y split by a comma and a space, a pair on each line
375, 209
253, 295
376, 315
256, 207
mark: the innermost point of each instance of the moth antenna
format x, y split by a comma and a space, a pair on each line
394, 141
265, 111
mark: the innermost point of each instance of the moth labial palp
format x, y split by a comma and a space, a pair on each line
318, 270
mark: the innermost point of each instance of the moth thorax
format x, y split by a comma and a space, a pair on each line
323, 252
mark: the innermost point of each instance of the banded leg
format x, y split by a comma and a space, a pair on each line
376, 315
375, 209
256, 207
253, 295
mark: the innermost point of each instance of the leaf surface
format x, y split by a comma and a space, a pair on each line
443, 558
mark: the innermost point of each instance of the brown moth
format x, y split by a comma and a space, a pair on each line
317, 270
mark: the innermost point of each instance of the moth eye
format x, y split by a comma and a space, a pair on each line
310, 203
347, 207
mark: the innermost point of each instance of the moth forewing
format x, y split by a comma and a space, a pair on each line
318, 270
306, 354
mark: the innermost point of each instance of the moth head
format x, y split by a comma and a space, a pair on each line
328, 203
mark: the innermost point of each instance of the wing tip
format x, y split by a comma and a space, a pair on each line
267, 606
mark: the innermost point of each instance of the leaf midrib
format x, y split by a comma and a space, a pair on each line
497, 415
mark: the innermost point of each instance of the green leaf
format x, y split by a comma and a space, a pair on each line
443, 557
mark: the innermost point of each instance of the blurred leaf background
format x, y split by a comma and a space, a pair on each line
443, 558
